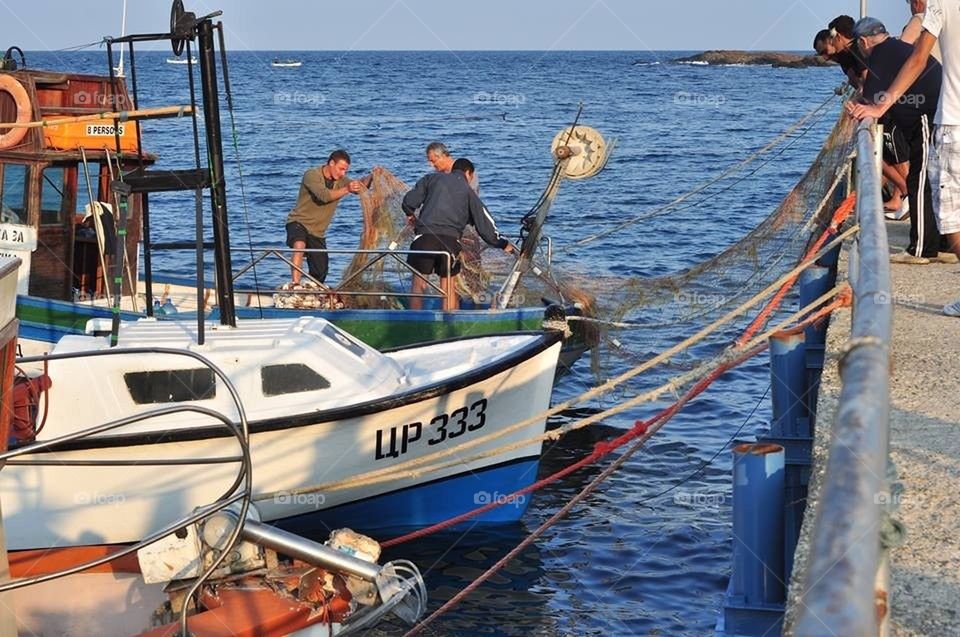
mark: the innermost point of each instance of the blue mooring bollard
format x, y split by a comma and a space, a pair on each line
758, 577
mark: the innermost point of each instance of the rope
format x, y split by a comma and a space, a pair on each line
839, 216
644, 430
639, 434
726, 173
407, 469
842, 297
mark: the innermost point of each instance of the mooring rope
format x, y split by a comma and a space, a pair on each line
409, 468
639, 434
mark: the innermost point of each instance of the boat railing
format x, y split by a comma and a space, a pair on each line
345, 287
273, 257
238, 494
847, 567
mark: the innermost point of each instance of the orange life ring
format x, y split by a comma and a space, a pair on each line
24, 113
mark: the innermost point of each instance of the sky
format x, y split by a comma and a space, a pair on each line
634, 25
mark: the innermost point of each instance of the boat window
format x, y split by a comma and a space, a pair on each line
344, 340
13, 194
171, 385
52, 199
276, 380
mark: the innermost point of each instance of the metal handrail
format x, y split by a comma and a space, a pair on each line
259, 254
239, 492
846, 557
379, 255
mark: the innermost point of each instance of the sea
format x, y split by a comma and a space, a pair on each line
649, 552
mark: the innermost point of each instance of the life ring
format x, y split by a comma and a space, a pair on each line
24, 113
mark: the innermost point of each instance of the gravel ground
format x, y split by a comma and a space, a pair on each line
925, 444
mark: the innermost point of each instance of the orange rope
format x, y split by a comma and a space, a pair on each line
839, 216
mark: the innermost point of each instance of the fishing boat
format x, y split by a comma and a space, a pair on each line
278, 63
215, 570
324, 408
57, 189
187, 60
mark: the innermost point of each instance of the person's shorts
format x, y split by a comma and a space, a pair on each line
318, 263
430, 263
943, 167
896, 148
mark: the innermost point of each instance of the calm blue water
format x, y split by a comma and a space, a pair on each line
627, 562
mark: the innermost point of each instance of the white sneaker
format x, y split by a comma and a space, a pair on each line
952, 309
897, 215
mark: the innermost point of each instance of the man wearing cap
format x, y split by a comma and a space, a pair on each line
941, 23
913, 114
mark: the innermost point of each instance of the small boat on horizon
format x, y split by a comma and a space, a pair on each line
286, 63
191, 60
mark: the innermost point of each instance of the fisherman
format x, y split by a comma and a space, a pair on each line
941, 22
447, 205
439, 157
321, 190
913, 114
469, 171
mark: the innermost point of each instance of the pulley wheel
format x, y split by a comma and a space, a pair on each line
587, 148
176, 12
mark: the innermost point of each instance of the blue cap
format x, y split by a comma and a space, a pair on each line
865, 27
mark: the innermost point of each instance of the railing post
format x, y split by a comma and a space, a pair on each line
754, 602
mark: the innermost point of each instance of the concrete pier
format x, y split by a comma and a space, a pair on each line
924, 594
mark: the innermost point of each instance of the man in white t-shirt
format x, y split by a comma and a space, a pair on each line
940, 23
913, 28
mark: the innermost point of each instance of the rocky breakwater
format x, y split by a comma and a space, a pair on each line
755, 58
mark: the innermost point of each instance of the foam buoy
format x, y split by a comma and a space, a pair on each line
16, 90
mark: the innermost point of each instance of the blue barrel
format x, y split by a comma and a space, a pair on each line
758, 502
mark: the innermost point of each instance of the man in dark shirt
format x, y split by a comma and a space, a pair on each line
447, 204
913, 114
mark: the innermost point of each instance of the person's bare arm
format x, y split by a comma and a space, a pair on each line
908, 74
911, 32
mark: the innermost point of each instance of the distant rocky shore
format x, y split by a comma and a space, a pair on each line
755, 58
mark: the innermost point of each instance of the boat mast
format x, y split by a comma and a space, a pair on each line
218, 191
863, 8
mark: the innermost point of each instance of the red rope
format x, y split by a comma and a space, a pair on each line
641, 431
604, 447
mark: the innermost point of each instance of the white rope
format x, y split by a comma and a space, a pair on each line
409, 469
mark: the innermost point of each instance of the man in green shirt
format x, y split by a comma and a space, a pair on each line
321, 190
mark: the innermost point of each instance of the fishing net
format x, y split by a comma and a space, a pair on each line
612, 306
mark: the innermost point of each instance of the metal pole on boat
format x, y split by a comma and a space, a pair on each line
218, 191
863, 8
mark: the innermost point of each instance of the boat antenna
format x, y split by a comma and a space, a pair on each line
123, 32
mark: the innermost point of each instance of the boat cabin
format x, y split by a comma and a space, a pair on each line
51, 174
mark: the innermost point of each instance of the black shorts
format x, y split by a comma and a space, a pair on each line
318, 264
896, 148
430, 263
